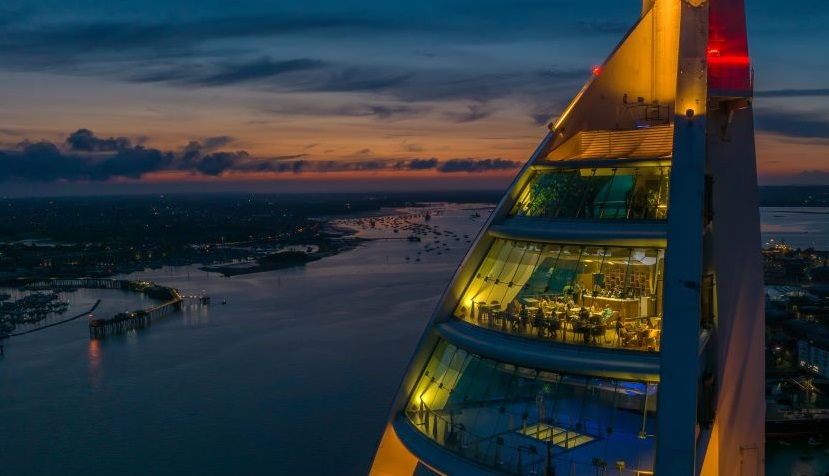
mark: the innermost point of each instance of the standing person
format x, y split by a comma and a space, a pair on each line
539, 406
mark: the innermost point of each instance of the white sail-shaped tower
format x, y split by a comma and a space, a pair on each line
609, 318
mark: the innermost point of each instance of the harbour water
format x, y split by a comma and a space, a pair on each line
797, 227
293, 375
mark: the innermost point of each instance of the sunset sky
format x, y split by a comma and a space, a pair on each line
285, 96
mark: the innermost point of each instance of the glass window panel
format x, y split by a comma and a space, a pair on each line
525, 421
632, 193
586, 295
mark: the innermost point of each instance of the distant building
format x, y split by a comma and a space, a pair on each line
812, 346
813, 356
609, 319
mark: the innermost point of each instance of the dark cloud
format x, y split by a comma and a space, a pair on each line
83, 140
381, 111
223, 74
542, 113
476, 165
70, 39
452, 85
204, 51
421, 164
181, 74
132, 163
424, 87
412, 147
119, 37
216, 142
789, 124
41, 162
219, 162
540, 118
86, 157
791, 93
474, 112
352, 79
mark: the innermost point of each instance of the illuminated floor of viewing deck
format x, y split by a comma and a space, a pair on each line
578, 434
638, 335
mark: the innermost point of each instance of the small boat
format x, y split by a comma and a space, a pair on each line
224, 301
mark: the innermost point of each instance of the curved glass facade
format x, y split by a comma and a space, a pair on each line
620, 193
589, 295
523, 421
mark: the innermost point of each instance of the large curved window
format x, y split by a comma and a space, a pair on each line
631, 193
588, 295
526, 421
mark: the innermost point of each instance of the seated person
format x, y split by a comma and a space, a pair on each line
652, 338
523, 314
539, 313
592, 314
580, 325
554, 325
624, 331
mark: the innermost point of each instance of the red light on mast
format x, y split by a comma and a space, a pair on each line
713, 52
596, 70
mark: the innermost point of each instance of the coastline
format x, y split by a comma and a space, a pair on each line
340, 234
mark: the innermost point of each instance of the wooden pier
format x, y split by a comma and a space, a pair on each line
125, 321
131, 321
89, 283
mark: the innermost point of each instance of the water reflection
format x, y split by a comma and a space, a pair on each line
196, 314
96, 371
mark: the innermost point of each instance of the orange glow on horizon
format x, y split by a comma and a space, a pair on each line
180, 176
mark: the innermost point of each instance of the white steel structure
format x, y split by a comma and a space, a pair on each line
609, 318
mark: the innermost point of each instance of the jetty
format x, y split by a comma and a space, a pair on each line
133, 321
172, 301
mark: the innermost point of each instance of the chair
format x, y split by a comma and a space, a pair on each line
484, 311
497, 319
539, 324
555, 325
597, 331
652, 340
627, 335
582, 329
620, 332
513, 321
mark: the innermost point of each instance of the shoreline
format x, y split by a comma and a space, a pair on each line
30, 331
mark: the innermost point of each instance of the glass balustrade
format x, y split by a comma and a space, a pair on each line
524, 421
